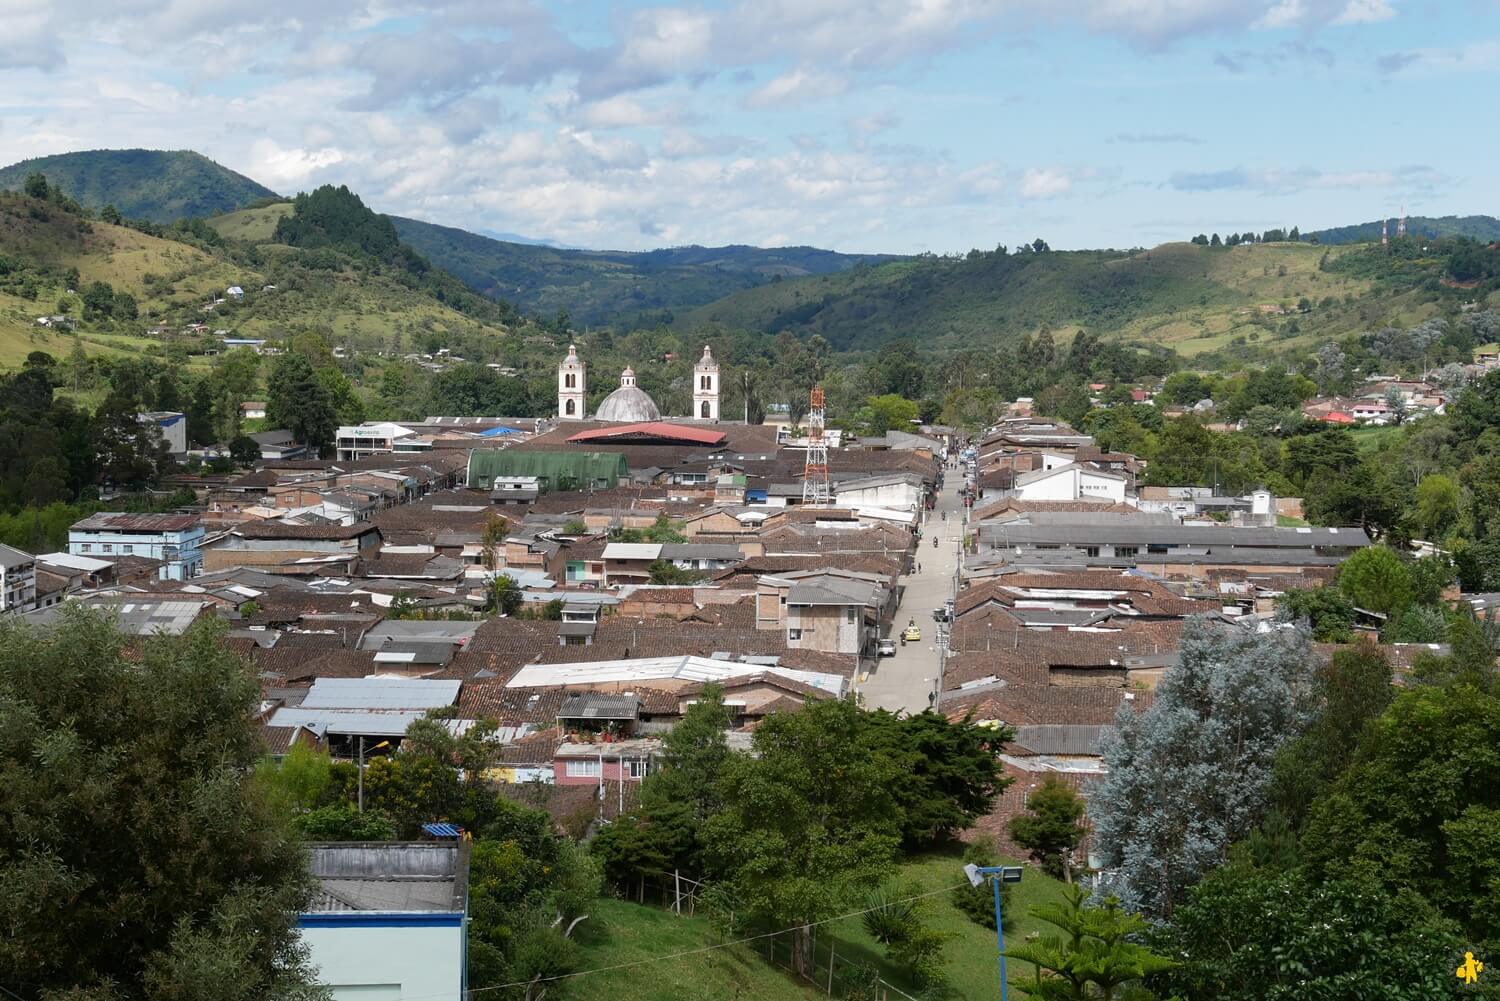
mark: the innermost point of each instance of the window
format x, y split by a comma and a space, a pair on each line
107, 547
705, 409
1091, 550
849, 614
571, 380
127, 549
635, 769
794, 634
1126, 550
570, 408
85, 547
584, 769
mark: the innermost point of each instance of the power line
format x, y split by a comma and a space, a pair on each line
694, 952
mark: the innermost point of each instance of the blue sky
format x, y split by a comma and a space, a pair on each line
861, 125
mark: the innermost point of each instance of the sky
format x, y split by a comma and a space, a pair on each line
900, 126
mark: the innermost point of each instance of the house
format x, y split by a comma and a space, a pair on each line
17, 580
175, 539
895, 491
271, 542
599, 761
278, 444
629, 562
1068, 482
822, 610
350, 713
515, 489
389, 920
253, 410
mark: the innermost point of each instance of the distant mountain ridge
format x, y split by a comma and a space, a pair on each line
155, 185
1480, 227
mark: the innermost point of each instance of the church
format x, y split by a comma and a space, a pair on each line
630, 404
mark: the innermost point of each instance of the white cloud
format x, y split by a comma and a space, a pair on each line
1366, 12
1045, 182
288, 169
797, 86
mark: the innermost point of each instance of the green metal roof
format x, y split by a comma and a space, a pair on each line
556, 470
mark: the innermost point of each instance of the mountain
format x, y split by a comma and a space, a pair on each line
1243, 300
1480, 227
174, 279
155, 185
607, 286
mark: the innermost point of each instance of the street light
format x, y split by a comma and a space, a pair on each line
997, 874
383, 743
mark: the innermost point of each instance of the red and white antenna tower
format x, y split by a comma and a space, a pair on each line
816, 488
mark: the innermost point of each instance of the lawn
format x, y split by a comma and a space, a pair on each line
1372, 438
620, 932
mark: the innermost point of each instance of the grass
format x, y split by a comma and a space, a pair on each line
252, 225
620, 932
1372, 438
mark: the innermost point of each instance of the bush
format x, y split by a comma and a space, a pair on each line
341, 822
977, 903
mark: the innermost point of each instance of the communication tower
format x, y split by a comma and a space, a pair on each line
816, 488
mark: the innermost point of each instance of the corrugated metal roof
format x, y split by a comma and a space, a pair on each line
685, 668
632, 551
653, 429
347, 721
115, 521
380, 693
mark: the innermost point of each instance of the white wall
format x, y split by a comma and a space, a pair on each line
363, 962
1073, 484
896, 496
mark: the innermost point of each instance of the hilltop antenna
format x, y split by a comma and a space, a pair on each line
815, 486
1385, 240
1401, 225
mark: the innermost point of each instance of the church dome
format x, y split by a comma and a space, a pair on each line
629, 404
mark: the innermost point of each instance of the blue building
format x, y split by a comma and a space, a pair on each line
175, 539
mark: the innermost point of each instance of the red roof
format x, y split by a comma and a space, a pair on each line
1337, 417
655, 430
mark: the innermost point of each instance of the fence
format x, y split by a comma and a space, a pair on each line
845, 975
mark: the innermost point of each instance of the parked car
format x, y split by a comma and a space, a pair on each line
886, 648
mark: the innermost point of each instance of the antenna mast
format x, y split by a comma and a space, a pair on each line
1401, 226
816, 488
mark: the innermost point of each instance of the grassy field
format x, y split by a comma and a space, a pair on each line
1372, 438
252, 225
622, 933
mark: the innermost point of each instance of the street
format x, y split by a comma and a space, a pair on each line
905, 680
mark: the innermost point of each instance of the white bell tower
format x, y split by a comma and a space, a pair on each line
706, 387
572, 387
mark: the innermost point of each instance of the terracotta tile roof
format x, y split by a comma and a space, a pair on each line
300, 664
1020, 705
281, 530
1024, 656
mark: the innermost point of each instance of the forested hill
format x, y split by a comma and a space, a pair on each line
155, 185
620, 287
1252, 300
1484, 228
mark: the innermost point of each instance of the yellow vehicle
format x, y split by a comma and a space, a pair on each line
912, 634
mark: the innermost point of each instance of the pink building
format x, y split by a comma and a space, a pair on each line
604, 761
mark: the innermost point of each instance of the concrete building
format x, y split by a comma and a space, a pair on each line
363, 440
17, 580
389, 921
175, 539
1070, 481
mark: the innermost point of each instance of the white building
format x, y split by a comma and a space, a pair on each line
891, 491
388, 921
17, 580
359, 441
572, 386
1069, 483
706, 387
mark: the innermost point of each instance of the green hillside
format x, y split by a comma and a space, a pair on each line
613, 286
1484, 228
175, 279
1194, 299
155, 185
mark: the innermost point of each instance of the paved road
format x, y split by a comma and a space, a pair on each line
905, 680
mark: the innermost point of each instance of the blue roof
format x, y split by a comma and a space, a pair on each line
442, 830
498, 430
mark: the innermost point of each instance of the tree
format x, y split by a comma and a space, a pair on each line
505, 594
1192, 773
244, 451
36, 186
805, 822
1437, 505
886, 413
1376, 580
1095, 956
669, 573
137, 859
1248, 933
951, 771
1050, 828
297, 400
